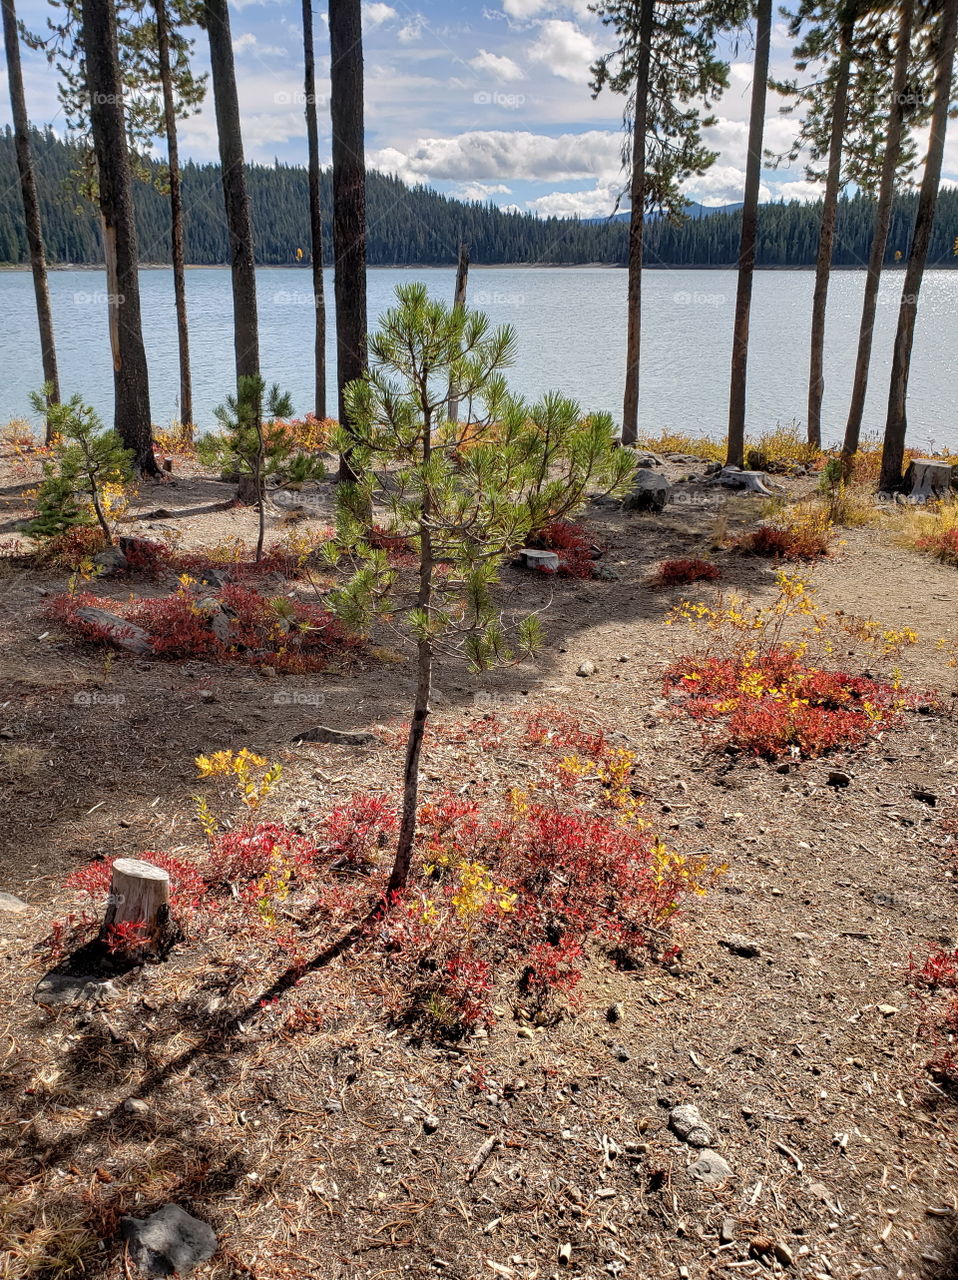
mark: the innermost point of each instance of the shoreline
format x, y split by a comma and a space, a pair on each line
13, 267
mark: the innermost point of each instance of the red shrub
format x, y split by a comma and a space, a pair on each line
239, 857
287, 635
784, 544
673, 573
576, 553
187, 883
358, 830
936, 981
772, 703
943, 545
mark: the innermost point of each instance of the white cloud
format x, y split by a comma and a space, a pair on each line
525, 9
501, 67
566, 50
482, 190
247, 43
722, 184
808, 192
501, 155
375, 13
598, 202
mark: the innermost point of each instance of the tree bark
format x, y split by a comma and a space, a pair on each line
349, 200
896, 424
31, 203
633, 341
176, 212
458, 300
883, 212
746, 260
315, 211
826, 236
130, 376
236, 197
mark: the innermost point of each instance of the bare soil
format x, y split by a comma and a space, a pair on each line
346, 1148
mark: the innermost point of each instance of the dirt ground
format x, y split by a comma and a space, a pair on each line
352, 1153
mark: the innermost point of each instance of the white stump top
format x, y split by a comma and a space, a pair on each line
139, 870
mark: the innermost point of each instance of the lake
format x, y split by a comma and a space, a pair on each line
571, 329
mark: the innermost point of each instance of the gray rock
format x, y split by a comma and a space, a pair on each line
837, 778
728, 1230
647, 459
586, 668
109, 561
620, 1053
713, 468
10, 903
169, 1242
136, 1107
430, 1124
687, 1124
73, 988
650, 492
125, 635
710, 1169
336, 737
740, 946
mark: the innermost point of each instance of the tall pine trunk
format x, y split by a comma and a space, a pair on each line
633, 340
746, 259
176, 211
31, 203
896, 422
238, 217
315, 211
130, 377
349, 199
826, 236
458, 300
883, 212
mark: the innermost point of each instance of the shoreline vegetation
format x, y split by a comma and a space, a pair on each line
899, 267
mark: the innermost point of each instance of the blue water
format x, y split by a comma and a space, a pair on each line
571, 330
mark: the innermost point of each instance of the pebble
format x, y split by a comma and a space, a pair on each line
728, 1230
740, 946
8, 902
136, 1107
688, 1125
430, 1124
710, 1169
586, 668
620, 1052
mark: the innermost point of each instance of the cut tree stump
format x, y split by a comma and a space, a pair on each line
140, 895
930, 478
535, 559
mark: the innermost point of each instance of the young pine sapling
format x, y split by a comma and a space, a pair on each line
86, 459
463, 495
255, 443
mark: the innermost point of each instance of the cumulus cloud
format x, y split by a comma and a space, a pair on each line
808, 192
565, 49
597, 202
524, 9
247, 43
500, 155
375, 13
482, 190
497, 65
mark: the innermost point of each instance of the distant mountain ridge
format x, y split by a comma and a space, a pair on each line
692, 210
417, 226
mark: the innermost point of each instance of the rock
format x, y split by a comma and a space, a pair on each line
888, 1010
109, 561
646, 460
430, 1124
728, 1230
8, 902
687, 1124
586, 668
73, 988
838, 779
532, 558
170, 1242
207, 695
336, 737
136, 1107
740, 946
333, 1106
620, 1052
125, 635
710, 1169
783, 1254
713, 468
605, 573
650, 492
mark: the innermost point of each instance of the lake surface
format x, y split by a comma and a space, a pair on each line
571, 329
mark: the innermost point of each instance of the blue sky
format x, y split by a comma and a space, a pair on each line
485, 102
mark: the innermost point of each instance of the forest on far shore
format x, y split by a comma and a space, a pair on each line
418, 226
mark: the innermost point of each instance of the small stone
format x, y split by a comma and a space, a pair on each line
136, 1107
207, 695
650, 492
109, 561
740, 946
837, 778
8, 902
688, 1125
728, 1230
565, 1254
586, 668
335, 737
525, 1033
710, 1169
888, 1010
783, 1254
620, 1052
430, 1124
169, 1242
332, 1106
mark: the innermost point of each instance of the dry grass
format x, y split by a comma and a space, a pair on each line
912, 525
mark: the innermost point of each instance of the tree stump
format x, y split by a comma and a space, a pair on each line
138, 910
930, 478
